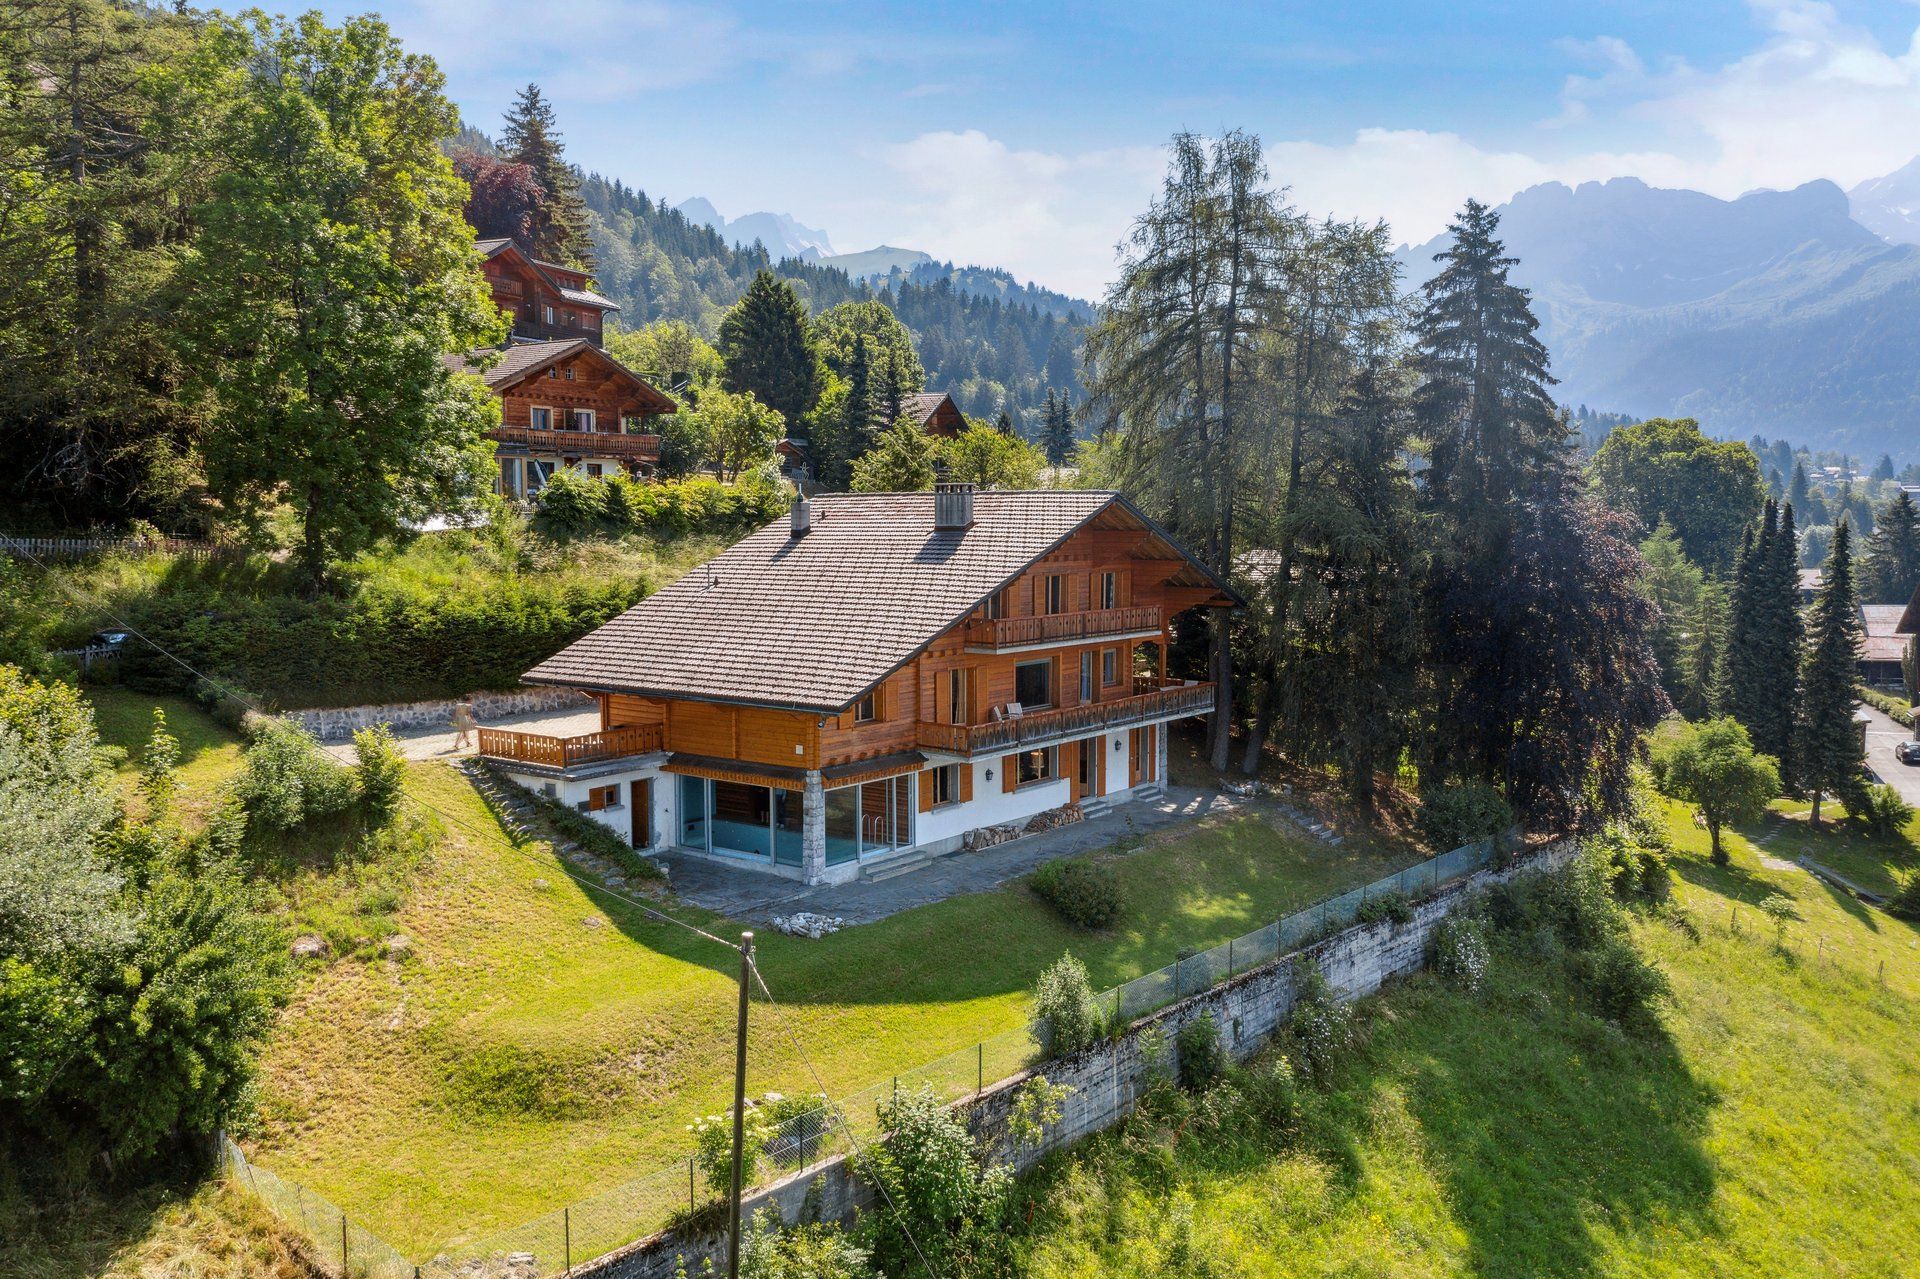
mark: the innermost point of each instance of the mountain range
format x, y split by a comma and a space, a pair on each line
783, 236
1788, 313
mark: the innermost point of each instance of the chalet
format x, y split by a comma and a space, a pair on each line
564, 402
878, 678
1882, 646
932, 411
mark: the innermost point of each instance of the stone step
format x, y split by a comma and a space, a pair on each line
895, 866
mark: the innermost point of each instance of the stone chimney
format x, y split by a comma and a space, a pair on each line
802, 516
952, 505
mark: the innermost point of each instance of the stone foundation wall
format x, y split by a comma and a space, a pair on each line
338, 724
1107, 1078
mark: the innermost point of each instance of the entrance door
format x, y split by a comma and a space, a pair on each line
640, 800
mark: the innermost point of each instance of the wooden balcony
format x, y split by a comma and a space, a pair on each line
1147, 703
510, 747
1061, 628
621, 444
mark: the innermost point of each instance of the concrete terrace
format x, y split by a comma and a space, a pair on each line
739, 892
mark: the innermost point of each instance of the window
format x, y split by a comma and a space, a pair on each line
1089, 762
958, 712
867, 709
540, 419
1033, 684
593, 469
585, 420
602, 797
1109, 590
1109, 666
548, 312
568, 373
946, 785
996, 606
1056, 593
568, 318
1036, 766
1086, 675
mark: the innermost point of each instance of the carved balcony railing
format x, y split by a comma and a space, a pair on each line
510, 747
1062, 628
1030, 727
582, 443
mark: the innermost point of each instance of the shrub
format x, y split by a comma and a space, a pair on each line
1905, 902
799, 1123
1080, 892
1884, 811
713, 1147
769, 1249
1461, 955
1067, 1015
1203, 1059
1036, 1107
1320, 1027
287, 781
937, 1200
1393, 907
570, 504
1461, 813
379, 772
1619, 984
1636, 870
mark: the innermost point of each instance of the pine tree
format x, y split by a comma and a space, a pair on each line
1003, 422
558, 230
1057, 429
1738, 664
1704, 661
890, 388
767, 344
1891, 570
1829, 752
1798, 487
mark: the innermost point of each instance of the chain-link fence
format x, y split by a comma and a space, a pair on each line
678, 1192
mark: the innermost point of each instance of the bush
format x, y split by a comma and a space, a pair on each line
769, 1249
1037, 1106
1320, 1027
1619, 984
380, 772
1080, 892
1637, 870
287, 781
1461, 955
1067, 1015
1203, 1059
1884, 811
799, 1124
1905, 902
597, 838
571, 504
1462, 813
1897, 709
1387, 907
937, 1200
713, 1147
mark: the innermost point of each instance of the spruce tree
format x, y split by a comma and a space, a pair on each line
1777, 608
1891, 569
1798, 488
558, 228
1057, 429
767, 344
1828, 750
1738, 664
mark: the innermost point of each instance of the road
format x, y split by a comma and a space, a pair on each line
1882, 735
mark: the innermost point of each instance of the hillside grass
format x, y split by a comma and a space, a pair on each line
179, 1228
1765, 1127
209, 753
539, 1042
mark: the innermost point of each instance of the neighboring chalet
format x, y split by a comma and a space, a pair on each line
932, 411
564, 402
1882, 646
874, 680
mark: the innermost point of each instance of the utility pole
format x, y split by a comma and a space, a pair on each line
739, 1110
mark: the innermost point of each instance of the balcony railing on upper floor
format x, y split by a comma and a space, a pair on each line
1150, 701
511, 747
582, 443
1062, 628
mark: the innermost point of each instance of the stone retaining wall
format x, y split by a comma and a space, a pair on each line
1107, 1078
338, 724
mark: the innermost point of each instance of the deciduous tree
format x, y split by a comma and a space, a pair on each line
1714, 767
1664, 469
902, 462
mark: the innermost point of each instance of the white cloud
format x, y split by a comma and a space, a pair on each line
1818, 98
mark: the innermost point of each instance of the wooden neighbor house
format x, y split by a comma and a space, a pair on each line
864, 685
932, 411
564, 402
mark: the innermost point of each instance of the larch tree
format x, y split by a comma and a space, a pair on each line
767, 347
1828, 751
1891, 570
559, 229
1170, 362
332, 273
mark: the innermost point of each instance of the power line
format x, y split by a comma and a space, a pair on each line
807, 1060
254, 706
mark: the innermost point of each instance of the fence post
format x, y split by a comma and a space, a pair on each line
691, 1201
566, 1228
980, 1068
1229, 956
343, 1246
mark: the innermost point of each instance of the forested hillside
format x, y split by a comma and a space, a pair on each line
992, 355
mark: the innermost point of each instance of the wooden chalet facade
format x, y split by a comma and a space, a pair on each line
872, 681
564, 402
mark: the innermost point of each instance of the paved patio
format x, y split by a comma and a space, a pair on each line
437, 743
750, 895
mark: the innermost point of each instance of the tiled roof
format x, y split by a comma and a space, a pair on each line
587, 297
1883, 642
811, 623
920, 406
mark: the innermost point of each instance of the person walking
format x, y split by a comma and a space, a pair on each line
464, 723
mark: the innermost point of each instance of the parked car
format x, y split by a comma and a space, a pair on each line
1907, 752
107, 639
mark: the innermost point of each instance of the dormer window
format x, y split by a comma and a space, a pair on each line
549, 313
866, 710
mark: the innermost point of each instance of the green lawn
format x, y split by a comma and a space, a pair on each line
537, 1046
1867, 860
209, 754
1766, 1128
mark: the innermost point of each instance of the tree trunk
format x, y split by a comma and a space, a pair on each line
1222, 692
1265, 711
1815, 817
1713, 838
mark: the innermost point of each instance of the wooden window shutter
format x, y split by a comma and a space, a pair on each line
966, 783
1009, 769
925, 787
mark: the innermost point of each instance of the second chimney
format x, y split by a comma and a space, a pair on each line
952, 505
802, 516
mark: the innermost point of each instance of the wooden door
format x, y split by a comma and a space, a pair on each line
641, 799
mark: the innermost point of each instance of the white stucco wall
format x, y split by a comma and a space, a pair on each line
573, 792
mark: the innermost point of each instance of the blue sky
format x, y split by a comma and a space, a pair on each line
1027, 135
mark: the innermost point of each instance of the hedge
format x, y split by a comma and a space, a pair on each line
1895, 708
